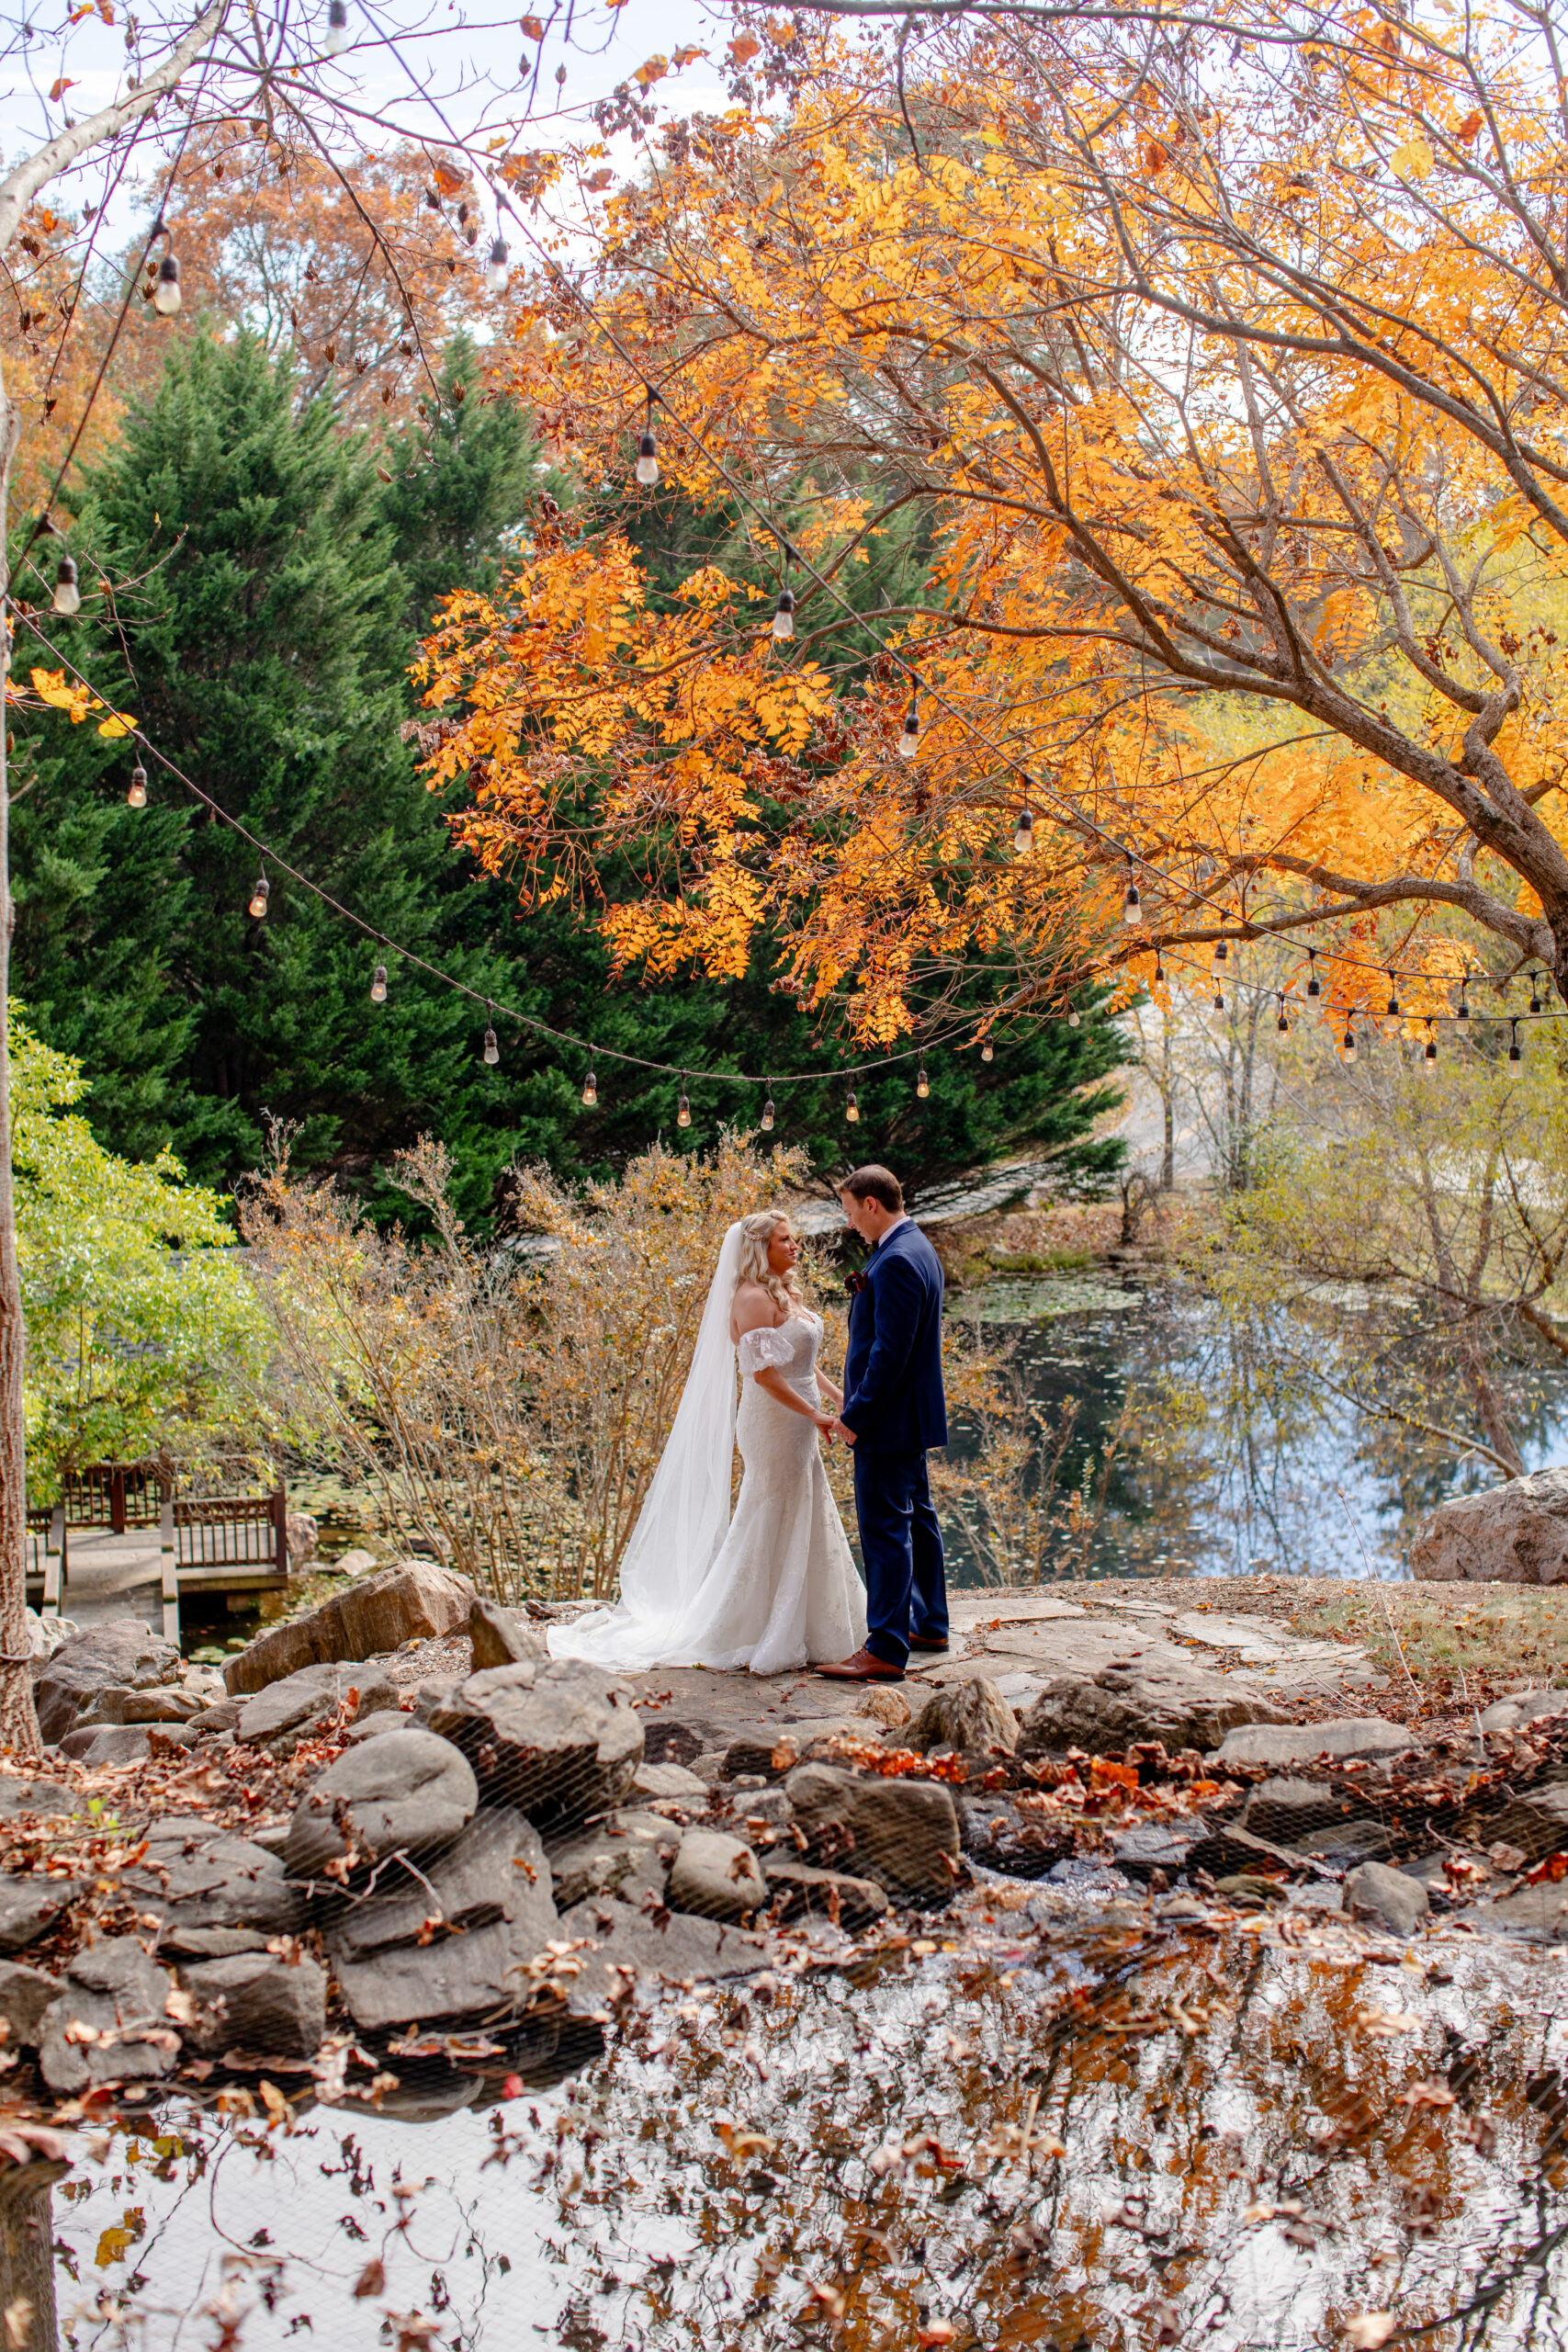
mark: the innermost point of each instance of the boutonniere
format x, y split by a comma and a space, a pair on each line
855, 1283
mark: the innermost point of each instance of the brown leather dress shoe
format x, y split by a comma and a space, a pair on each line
919, 1642
862, 1668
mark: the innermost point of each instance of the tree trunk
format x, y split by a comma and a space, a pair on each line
1168, 1105
26, 2254
19, 1724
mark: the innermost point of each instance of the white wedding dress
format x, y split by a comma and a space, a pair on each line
774, 1587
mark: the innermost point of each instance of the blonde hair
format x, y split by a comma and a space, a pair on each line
756, 1236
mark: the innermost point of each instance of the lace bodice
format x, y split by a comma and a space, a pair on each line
791, 1348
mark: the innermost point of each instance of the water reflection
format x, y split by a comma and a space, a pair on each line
1234, 1454
1262, 2138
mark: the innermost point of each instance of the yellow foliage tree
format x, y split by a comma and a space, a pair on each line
1225, 363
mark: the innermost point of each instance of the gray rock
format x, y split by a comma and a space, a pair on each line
25, 1994
769, 1760
1346, 1843
1535, 1820
1111, 1710
999, 1837
1150, 1846
1526, 1707
972, 1717
122, 1653
377, 1726
557, 1738
500, 1636
1515, 1532
670, 1781
408, 1789
280, 1715
20, 1795
253, 2002
620, 1855
1287, 1808
121, 1996
222, 1715
209, 1943
1393, 1897
110, 1744
411, 1600
490, 1894
1537, 1914
1279, 1745
904, 1834
118, 1704
794, 1887
714, 1876
28, 1907
624, 1945
665, 1742
197, 1874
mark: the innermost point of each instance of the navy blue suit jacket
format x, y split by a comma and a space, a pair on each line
893, 1393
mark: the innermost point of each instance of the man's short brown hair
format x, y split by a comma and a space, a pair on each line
876, 1184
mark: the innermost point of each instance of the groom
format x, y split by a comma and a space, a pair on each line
893, 1409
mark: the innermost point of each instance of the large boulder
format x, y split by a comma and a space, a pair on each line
120, 1702
195, 1874
413, 1600
109, 1744
1113, 1710
1535, 1820
557, 1738
121, 1653
971, 1716
1512, 1534
500, 1636
25, 1994
618, 1943
715, 1876
849, 1902
110, 2022
622, 1854
29, 1907
903, 1834
458, 1940
280, 1716
258, 2004
408, 1790
1394, 1898
1282, 1747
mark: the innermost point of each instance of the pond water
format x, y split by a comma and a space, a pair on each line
1234, 1462
1270, 2138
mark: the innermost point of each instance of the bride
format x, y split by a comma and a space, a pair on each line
776, 1586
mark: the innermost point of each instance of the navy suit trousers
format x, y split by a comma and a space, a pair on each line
901, 1545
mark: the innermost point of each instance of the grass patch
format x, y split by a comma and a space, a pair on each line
1041, 1261
1488, 1634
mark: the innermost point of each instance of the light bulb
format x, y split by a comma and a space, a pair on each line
1074, 1021
167, 292
1023, 837
1314, 986
1159, 971
923, 1083
1132, 906
910, 741
1513, 1053
784, 613
1535, 992
137, 796
1430, 1059
1392, 1012
1222, 953
590, 1091
682, 1108
987, 1052
337, 37
491, 1049
259, 898
67, 595
1219, 1000
768, 1116
648, 451
852, 1110
496, 271
1349, 1044
1463, 1013
379, 985
1282, 1024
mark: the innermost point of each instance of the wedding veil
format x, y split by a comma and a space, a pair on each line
685, 1518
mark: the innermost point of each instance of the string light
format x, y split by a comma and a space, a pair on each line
1222, 954
648, 451
1391, 1012
166, 295
923, 1083
768, 1108
910, 741
491, 1049
987, 1052
852, 1110
1314, 986
1132, 905
1074, 1020
1160, 970
1430, 1059
496, 269
589, 1085
259, 898
379, 985
1350, 1039
1023, 835
1513, 1053
1282, 1024
1463, 1013
67, 594
1219, 999
336, 40
683, 1108
137, 796
1535, 993
784, 613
